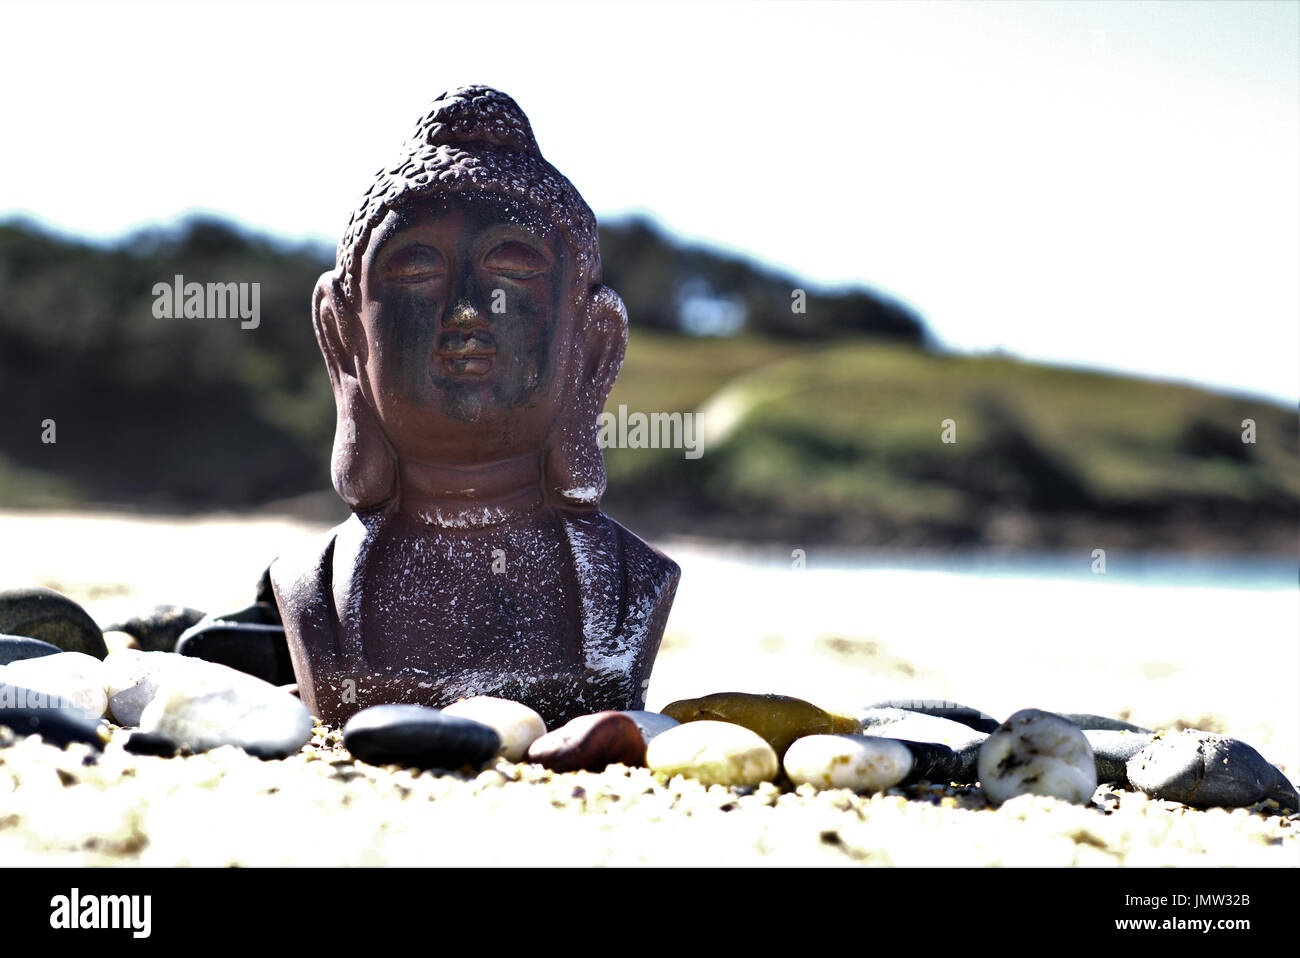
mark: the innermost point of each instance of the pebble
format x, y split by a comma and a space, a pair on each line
932, 762
206, 706
115, 641
158, 629
1111, 751
651, 723
266, 593
419, 737
713, 753
911, 726
145, 743
252, 647
51, 617
75, 678
132, 679
972, 718
14, 648
517, 725
1037, 753
590, 742
1203, 770
57, 726
778, 719
859, 762
1088, 722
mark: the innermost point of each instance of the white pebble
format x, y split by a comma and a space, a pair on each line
713, 753
73, 677
517, 724
1037, 753
859, 762
132, 679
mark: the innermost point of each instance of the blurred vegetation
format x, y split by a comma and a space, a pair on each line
822, 426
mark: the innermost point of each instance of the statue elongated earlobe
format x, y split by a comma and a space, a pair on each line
575, 468
363, 466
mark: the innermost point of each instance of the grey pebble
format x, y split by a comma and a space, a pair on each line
51, 617
1111, 751
15, 648
158, 629
1203, 770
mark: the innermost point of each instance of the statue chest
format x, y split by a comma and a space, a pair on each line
472, 601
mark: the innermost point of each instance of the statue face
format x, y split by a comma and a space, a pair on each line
467, 315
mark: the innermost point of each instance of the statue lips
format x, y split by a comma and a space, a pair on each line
466, 352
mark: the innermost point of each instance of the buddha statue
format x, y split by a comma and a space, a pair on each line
471, 347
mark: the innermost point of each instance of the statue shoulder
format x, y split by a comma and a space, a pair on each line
645, 568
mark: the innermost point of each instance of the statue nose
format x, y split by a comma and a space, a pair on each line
464, 315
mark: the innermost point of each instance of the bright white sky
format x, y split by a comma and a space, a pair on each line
1103, 184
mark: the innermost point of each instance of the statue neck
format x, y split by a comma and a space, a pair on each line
470, 497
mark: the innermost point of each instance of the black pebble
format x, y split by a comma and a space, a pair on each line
972, 718
931, 762
158, 629
51, 617
251, 647
1203, 770
1111, 751
419, 737
1100, 722
15, 648
55, 725
149, 743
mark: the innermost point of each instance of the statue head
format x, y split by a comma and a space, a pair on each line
465, 321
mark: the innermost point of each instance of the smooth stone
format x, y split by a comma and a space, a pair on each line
590, 742
1283, 792
1037, 753
419, 737
1089, 722
206, 706
713, 753
972, 718
259, 613
1203, 770
778, 719
116, 641
132, 679
257, 649
14, 648
932, 762
146, 743
51, 617
159, 629
27, 712
1111, 751
859, 762
910, 726
77, 679
517, 725
266, 594
651, 723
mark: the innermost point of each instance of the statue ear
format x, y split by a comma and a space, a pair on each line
363, 466
575, 468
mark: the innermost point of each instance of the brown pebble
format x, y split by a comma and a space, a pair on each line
590, 742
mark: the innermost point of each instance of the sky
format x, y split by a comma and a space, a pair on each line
1102, 184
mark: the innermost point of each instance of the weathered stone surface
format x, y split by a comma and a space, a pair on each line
859, 762
51, 617
714, 753
778, 719
1203, 770
76, 679
973, 718
419, 737
207, 705
14, 648
1112, 750
590, 742
651, 723
1037, 753
517, 725
254, 648
909, 726
160, 628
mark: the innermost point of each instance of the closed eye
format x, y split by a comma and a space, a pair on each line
516, 261
415, 264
